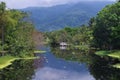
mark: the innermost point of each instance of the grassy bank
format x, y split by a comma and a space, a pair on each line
7, 60
82, 47
117, 65
102, 53
39, 51
114, 54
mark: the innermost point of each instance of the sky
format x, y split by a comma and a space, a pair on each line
48, 73
18, 4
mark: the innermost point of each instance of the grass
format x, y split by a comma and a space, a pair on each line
26, 58
39, 51
102, 53
113, 53
117, 65
7, 60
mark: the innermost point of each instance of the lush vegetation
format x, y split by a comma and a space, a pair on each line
6, 60
76, 37
111, 53
15, 32
102, 33
107, 32
107, 28
19, 70
18, 38
100, 67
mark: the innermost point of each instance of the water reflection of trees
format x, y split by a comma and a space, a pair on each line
19, 70
73, 55
99, 67
38, 63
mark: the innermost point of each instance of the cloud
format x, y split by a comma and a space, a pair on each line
48, 73
28, 3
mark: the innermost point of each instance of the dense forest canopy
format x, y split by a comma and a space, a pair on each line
107, 28
15, 32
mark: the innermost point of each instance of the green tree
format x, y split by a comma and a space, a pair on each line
107, 28
2, 26
15, 31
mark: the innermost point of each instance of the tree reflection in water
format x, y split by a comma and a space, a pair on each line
38, 63
99, 67
19, 70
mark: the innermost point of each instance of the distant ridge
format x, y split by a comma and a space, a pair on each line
60, 16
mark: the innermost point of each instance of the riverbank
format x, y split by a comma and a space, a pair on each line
39, 51
7, 60
113, 54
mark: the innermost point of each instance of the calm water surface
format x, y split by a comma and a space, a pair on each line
59, 69
58, 64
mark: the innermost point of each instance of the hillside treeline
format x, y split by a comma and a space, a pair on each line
102, 31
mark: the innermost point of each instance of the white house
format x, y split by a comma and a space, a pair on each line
63, 44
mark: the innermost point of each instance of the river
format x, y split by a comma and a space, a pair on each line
58, 64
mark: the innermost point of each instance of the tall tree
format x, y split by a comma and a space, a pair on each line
15, 31
107, 28
2, 14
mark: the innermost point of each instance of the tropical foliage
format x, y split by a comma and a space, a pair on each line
107, 28
15, 32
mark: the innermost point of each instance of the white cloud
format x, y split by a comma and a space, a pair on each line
28, 3
48, 73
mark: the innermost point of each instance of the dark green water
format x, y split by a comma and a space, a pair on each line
58, 64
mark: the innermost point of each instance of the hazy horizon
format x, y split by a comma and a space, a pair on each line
41, 3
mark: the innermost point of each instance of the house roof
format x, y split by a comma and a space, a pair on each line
63, 43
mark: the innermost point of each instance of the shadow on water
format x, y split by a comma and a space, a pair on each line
101, 68
19, 70
59, 69
64, 64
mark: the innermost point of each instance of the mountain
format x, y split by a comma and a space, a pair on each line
60, 16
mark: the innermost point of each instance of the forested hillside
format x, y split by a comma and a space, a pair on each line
60, 16
102, 34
